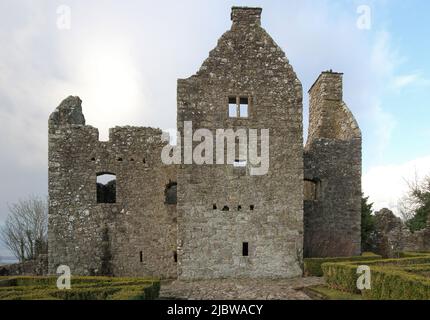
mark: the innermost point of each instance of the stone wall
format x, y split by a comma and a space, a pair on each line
35, 267
392, 236
332, 164
136, 236
264, 211
222, 211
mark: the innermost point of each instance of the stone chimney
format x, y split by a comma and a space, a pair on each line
329, 117
328, 86
246, 15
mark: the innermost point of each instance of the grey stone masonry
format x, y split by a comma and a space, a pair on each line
392, 235
136, 235
213, 220
245, 63
332, 166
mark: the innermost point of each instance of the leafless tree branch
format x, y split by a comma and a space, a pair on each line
25, 230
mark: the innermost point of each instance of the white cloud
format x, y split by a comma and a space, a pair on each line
404, 80
416, 79
124, 60
384, 125
386, 185
384, 58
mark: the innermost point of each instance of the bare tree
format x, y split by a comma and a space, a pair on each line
415, 205
25, 230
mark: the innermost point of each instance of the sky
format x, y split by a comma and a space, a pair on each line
123, 59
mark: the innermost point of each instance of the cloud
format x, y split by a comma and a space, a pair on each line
401, 81
387, 184
384, 125
404, 80
384, 58
123, 60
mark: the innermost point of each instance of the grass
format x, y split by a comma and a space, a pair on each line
322, 292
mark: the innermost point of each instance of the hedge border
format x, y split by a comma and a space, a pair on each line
83, 288
312, 266
389, 278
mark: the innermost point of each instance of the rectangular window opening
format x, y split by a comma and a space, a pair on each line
243, 107
245, 252
239, 163
106, 187
310, 190
232, 100
141, 256
232, 107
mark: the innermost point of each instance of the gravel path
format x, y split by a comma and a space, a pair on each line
239, 289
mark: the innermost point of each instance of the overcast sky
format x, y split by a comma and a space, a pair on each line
123, 59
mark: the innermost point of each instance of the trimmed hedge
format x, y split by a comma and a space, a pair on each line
83, 288
390, 278
398, 285
369, 254
312, 266
409, 254
323, 292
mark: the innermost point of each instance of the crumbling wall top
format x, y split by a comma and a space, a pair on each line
68, 112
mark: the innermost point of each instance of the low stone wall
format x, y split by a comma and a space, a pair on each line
36, 267
393, 236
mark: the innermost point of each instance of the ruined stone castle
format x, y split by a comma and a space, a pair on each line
211, 221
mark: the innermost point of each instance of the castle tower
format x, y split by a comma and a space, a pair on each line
332, 163
232, 223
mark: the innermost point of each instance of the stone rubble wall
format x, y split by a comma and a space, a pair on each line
393, 236
108, 238
37, 266
332, 161
246, 63
219, 207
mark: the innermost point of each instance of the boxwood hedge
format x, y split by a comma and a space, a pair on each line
312, 266
83, 288
402, 279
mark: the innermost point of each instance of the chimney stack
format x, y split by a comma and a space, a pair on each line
328, 86
246, 15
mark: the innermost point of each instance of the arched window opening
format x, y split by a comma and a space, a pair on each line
106, 188
170, 193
